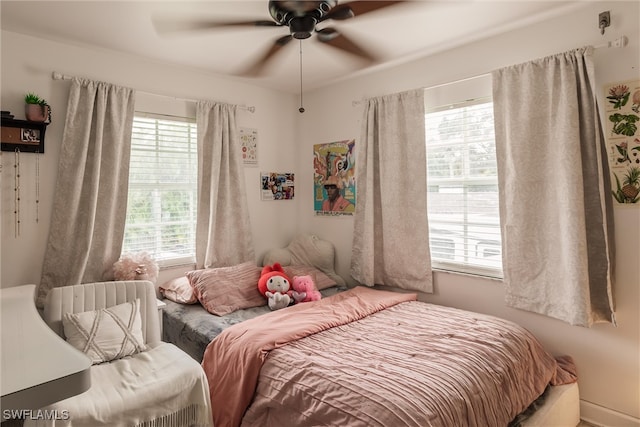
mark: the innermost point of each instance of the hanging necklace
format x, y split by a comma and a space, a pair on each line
16, 191
37, 186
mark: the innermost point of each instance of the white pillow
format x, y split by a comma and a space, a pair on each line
106, 334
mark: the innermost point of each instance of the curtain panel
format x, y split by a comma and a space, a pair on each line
391, 232
223, 228
555, 203
90, 199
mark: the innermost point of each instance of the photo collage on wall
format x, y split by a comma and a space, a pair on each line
334, 178
622, 118
277, 186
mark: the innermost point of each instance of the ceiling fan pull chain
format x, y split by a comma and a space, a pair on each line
301, 109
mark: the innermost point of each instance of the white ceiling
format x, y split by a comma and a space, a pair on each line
397, 34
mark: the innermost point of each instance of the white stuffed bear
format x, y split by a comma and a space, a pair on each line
275, 286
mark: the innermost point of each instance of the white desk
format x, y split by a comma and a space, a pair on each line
37, 366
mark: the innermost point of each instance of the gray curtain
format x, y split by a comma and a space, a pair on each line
555, 199
90, 201
391, 232
223, 230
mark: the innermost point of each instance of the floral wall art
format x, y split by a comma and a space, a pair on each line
249, 142
622, 117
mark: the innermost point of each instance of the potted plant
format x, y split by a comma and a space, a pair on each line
36, 108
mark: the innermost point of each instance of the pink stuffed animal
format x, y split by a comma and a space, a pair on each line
304, 290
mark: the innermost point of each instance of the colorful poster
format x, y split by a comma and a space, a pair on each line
622, 116
249, 143
334, 178
276, 186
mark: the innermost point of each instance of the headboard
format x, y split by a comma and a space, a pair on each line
306, 249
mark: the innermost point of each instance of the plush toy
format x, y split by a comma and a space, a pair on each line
275, 285
304, 290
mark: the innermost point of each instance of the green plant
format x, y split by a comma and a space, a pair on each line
627, 192
631, 183
624, 124
32, 98
618, 96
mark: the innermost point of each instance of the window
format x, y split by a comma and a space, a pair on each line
161, 210
463, 210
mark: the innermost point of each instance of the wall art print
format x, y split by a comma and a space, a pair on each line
249, 142
277, 186
334, 178
622, 117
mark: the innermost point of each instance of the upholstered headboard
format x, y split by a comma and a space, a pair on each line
306, 249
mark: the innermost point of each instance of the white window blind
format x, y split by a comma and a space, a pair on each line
464, 219
161, 210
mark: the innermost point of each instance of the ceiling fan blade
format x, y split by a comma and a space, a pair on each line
258, 66
357, 8
163, 26
338, 40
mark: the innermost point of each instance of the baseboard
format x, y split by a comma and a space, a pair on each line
605, 417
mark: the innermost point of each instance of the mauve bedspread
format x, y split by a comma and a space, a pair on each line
375, 358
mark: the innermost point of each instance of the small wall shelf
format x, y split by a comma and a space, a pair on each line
26, 136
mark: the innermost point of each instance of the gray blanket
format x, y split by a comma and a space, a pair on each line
191, 327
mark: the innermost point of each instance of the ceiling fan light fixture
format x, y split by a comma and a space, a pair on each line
301, 27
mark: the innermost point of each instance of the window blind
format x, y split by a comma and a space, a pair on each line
161, 210
464, 219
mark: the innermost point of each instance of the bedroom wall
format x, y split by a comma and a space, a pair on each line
607, 357
27, 64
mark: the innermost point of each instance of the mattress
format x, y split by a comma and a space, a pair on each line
191, 327
561, 408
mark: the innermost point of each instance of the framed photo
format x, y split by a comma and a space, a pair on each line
277, 186
29, 135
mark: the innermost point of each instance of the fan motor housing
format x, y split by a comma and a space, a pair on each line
300, 16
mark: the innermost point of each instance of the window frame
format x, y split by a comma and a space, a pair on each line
449, 97
158, 224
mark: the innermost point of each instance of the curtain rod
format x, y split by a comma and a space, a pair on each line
431, 87
621, 41
59, 76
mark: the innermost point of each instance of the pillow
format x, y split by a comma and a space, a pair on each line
179, 290
224, 290
321, 280
107, 334
306, 249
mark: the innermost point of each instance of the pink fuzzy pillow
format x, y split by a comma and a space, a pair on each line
125, 268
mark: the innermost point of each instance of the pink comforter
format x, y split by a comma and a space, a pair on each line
375, 358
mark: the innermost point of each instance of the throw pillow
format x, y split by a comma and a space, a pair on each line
179, 290
224, 290
106, 334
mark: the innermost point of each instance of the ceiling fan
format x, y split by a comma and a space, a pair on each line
302, 18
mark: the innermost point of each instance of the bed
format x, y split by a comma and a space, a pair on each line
192, 328
365, 357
